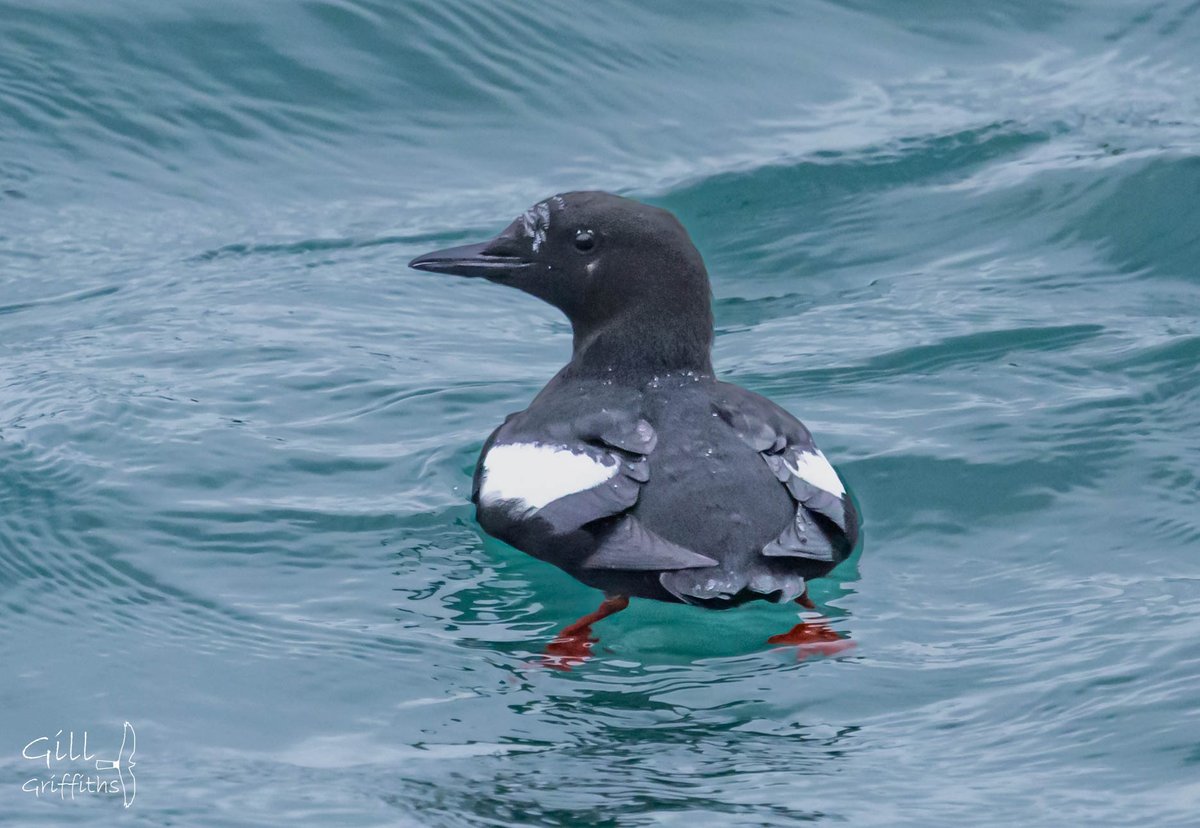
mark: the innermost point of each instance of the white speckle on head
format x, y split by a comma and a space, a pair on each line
812, 467
534, 474
535, 222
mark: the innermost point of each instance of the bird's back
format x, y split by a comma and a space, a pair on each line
657, 472
708, 490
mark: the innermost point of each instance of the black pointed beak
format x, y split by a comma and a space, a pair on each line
488, 259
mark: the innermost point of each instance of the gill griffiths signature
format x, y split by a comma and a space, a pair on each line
59, 750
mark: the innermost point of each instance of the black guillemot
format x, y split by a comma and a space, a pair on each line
635, 469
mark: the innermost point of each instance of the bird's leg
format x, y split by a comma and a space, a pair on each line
609, 606
572, 644
812, 637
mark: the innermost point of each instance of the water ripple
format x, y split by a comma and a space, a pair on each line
237, 434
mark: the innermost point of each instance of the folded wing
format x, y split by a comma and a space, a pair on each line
825, 525
585, 478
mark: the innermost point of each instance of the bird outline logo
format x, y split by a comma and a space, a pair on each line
124, 764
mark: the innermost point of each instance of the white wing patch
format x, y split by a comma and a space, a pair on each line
812, 467
534, 474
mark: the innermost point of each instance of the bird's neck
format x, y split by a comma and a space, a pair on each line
643, 342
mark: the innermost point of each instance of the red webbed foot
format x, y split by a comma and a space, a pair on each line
567, 651
573, 645
812, 637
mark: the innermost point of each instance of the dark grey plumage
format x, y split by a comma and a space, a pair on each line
635, 470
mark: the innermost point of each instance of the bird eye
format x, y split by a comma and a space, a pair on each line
585, 240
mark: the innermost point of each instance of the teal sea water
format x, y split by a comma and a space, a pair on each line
960, 241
